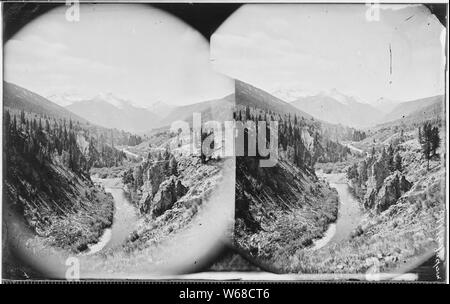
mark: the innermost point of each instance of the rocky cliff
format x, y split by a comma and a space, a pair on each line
280, 210
172, 191
65, 208
384, 187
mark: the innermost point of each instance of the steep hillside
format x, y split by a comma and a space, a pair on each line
48, 153
19, 98
280, 209
50, 190
431, 112
283, 208
413, 107
403, 198
249, 95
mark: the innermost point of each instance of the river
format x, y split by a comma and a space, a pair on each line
349, 214
125, 218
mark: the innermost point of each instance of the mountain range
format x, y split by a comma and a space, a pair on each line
332, 107
217, 109
414, 107
19, 98
111, 112
416, 112
247, 94
337, 108
385, 105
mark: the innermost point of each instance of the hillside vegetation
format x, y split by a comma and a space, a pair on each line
282, 209
403, 201
48, 154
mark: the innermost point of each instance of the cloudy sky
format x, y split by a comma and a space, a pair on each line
138, 53
314, 48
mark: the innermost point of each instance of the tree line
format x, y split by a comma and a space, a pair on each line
40, 139
301, 140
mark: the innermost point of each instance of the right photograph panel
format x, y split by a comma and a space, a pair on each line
340, 138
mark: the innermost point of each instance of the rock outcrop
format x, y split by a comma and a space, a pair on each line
153, 175
390, 190
169, 192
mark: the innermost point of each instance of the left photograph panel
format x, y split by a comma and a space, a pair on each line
106, 110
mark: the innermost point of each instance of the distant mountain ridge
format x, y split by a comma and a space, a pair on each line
338, 108
247, 94
432, 111
413, 107
385, 105
217, 109
16, 97
111, 112
65, 99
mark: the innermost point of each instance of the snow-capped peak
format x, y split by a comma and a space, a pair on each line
290, 94
112, 99
335, 94
341, 97
65, 99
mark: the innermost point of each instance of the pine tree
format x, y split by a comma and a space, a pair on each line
173, 166
47, 126
426, 135
398, 162
14, 124
7, 121
390, 161
435, 140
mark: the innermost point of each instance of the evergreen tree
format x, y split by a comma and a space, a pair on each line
173, 166
426, 141
398, 162
390, 158
22, 116
435, 140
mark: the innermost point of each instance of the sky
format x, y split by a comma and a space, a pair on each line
138, 53
317, 48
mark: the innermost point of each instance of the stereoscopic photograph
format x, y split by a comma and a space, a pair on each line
212, 141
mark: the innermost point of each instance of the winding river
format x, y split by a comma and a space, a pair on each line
125, 218
349, 214
125, 215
